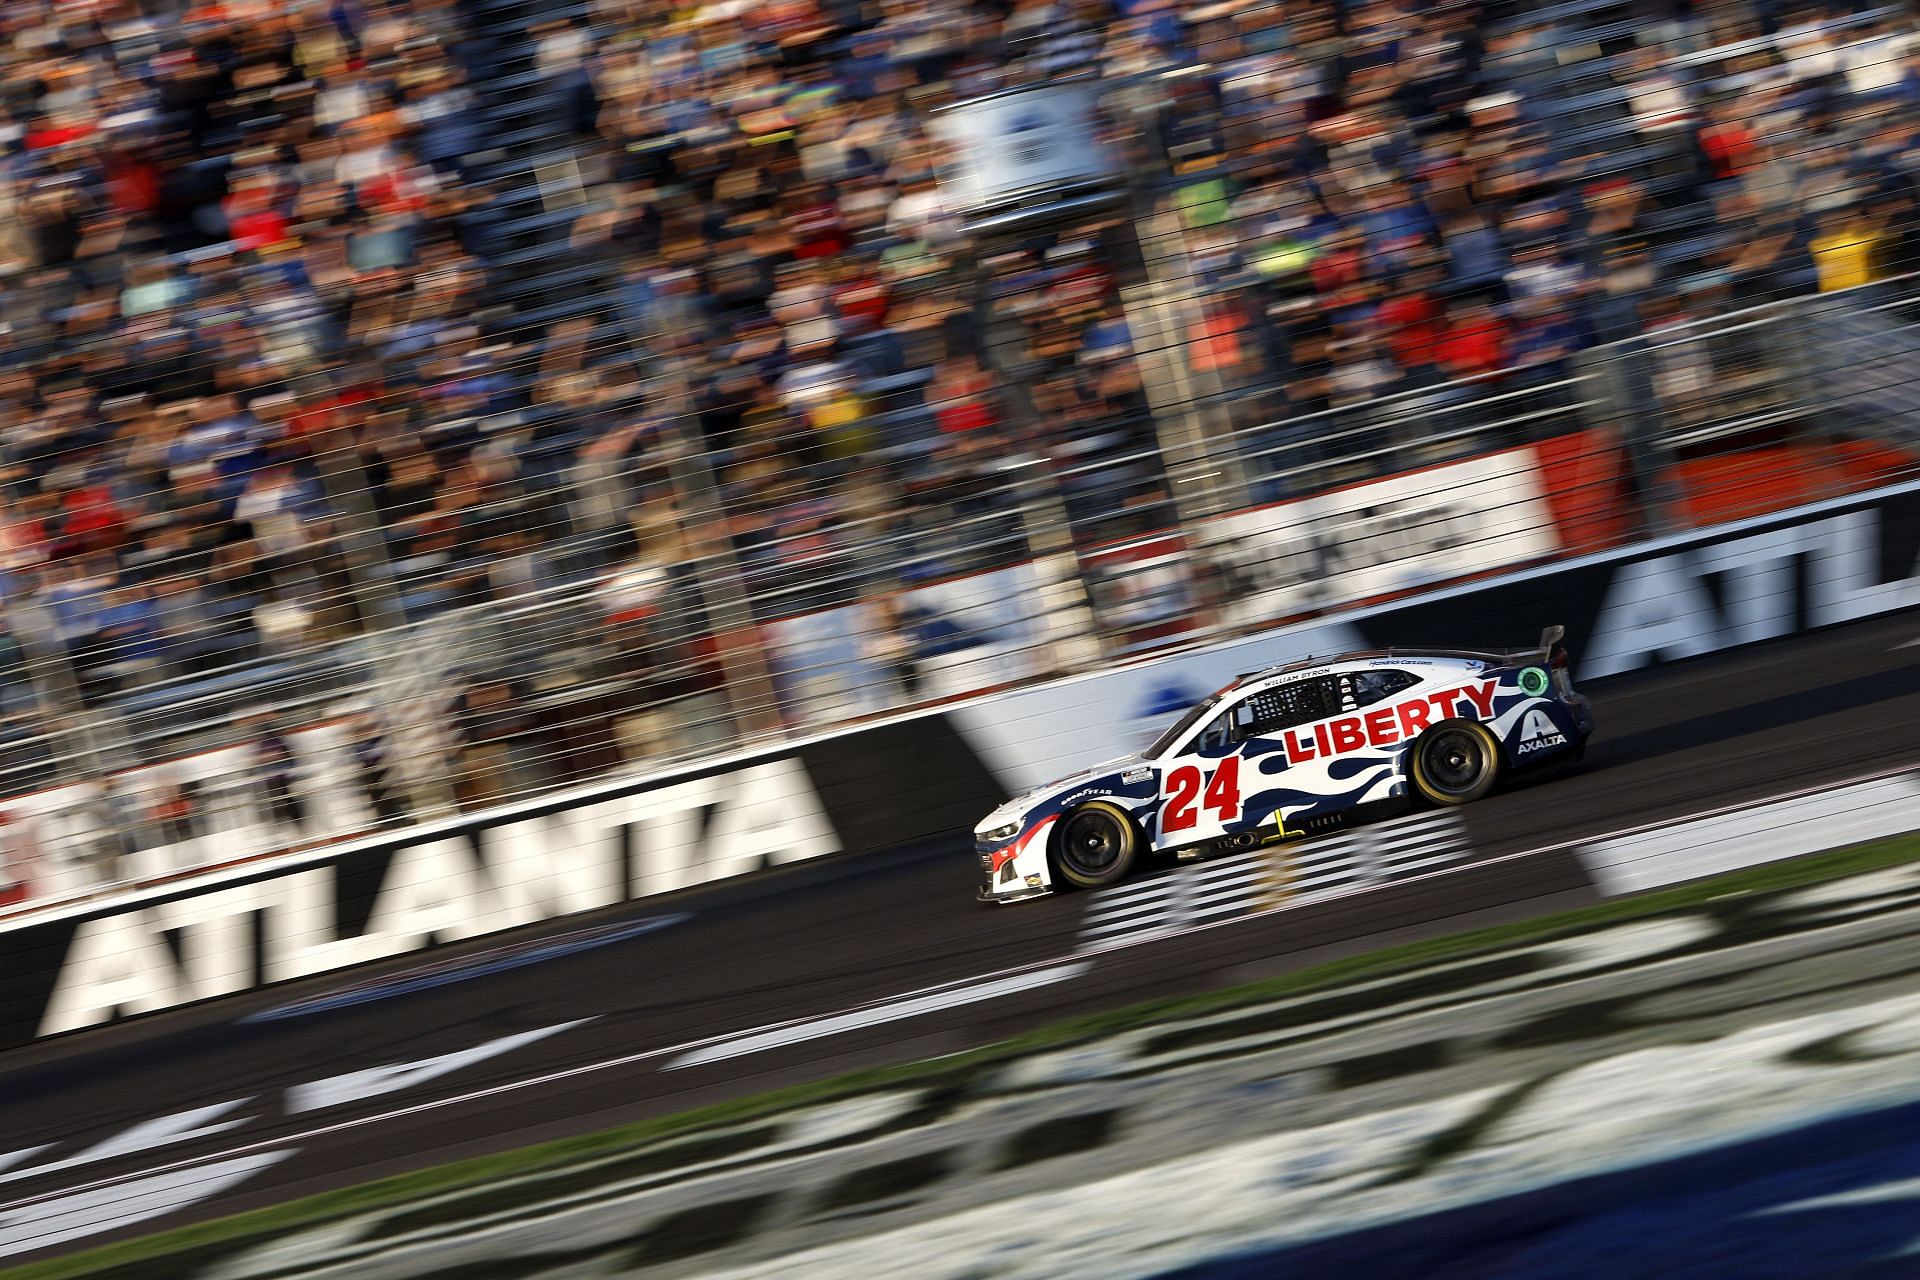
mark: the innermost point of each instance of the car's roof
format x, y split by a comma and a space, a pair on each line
1371, 657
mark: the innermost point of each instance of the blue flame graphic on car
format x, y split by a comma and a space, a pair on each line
1298, 804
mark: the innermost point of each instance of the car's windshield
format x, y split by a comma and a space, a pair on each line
1196, 713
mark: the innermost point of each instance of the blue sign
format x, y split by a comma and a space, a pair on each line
1166, 698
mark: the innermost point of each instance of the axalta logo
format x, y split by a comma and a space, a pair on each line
1538, 732
1389, 726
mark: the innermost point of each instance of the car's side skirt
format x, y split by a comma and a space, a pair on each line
1324, 824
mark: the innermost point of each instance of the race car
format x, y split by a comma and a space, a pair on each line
1294, 751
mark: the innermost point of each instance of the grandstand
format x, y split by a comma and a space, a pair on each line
407, 406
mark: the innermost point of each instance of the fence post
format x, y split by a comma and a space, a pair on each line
1205, 472
1079, 644
400, 698
1625, 405
750, 688
1808, 342
96, 740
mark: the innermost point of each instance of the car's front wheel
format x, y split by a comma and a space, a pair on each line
1095, 845
1455, 762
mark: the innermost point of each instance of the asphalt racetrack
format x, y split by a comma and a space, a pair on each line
807, 973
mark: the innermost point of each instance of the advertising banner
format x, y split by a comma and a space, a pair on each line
1042, 140
933, 642
1386, 537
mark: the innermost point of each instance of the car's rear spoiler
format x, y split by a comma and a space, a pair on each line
1543, 652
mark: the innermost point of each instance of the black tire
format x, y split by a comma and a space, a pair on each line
1455, 762
1095, 845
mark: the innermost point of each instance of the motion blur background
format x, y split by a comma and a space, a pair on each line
468, 399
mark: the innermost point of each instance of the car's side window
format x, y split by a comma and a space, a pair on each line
1288, 705
1364, 688
1225, 729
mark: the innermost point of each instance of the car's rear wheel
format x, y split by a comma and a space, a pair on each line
1455, 762
1095, 845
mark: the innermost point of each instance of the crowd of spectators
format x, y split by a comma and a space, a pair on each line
1450, 198
251, 269
1351, 200
223, 230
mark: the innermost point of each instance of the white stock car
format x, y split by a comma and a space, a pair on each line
1293, 751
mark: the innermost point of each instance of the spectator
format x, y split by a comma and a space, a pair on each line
374, 770
277, 770
1845, 248
1411, 320
1474, 343
1731, 146
1478, 260
1544, 341
962, 397
170, 806
484, 720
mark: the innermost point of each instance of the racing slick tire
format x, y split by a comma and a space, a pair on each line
1095, 845
1455, 762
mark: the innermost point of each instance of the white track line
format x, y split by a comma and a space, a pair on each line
1127, 911
1215, 908
1737, 807
1436, 860
1197, 888
1759, 834
1239, 863
511, 1086
1140, 891
1140, 928
895, 1011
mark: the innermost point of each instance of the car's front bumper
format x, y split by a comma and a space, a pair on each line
1019, 895
1016, 869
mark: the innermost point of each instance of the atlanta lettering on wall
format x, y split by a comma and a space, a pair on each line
372, 900
1752, 588
375, 903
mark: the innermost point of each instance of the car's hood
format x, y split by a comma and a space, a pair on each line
1016, 808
